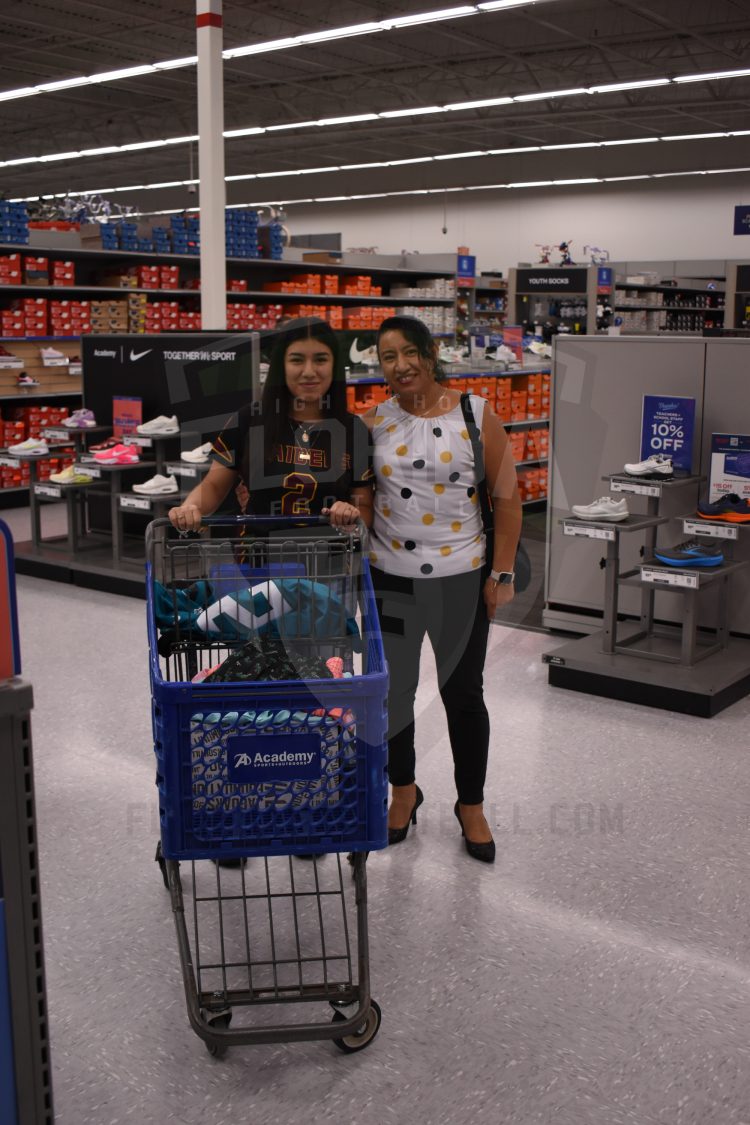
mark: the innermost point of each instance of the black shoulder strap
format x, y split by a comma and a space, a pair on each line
476, 445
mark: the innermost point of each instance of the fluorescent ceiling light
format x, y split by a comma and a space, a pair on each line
348, 120
694, 136
620, 179
632, 141
314, 171
577, 144
175, 64
62, 84
480, 104
270, 175
460, 155
58, 156
339, 32
712, 76
372, 164
583, 180
411, 160
412, 112
532, 183
551, 94
252, 131
124, 72
291, 125
260, 48
429, 17
511, 151
498, 5
615, 87
21, 92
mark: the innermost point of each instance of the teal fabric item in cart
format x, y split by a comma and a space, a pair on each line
289, 607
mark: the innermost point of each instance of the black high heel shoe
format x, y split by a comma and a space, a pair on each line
396, 835
483, 852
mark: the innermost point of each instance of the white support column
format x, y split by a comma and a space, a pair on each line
210, 36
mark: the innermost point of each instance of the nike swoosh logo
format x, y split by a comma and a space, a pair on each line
138, 355
364, 355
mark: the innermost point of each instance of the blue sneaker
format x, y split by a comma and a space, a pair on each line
729, 509
690, 554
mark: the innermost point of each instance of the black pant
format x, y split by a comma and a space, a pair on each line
451, 611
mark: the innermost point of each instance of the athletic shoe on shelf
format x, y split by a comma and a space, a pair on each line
197, 456
737, 465
605, 510
26, 380
71, 475
108, 443
728, 509
690, 554
7, 359
51, 357
157, 486
118, 455
80, 419
30, 446
657, 465
160, 425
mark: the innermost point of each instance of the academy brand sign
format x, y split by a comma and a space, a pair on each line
259, 758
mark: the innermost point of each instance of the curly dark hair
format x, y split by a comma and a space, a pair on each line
418, 334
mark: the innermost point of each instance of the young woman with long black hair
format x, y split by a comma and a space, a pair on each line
297, 451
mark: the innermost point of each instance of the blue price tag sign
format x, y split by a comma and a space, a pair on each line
667, 427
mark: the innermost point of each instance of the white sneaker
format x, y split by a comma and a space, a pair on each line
199, 455
51, 357
657, 465
604, 509
31, 445
157, 486
160, 425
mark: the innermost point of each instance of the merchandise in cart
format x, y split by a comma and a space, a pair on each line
268, 689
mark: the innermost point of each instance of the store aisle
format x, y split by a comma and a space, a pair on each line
599, 974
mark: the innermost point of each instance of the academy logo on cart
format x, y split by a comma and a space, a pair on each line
286, 756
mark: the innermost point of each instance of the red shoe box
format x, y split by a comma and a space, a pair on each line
169, 277
63, 273
35, 270
10, 269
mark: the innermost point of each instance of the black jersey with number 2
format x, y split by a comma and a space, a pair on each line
303, 477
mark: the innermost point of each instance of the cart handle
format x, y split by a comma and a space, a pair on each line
360, 529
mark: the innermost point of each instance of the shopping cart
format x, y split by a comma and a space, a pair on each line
272, 779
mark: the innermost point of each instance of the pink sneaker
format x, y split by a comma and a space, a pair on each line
118, 455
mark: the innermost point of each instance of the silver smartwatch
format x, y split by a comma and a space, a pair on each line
503, 577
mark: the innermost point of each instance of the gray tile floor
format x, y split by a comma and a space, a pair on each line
598, 974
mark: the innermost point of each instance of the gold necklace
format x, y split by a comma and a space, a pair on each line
304, 449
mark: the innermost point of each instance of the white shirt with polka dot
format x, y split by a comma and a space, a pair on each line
428, 520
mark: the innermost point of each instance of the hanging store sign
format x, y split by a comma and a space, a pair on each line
569, 280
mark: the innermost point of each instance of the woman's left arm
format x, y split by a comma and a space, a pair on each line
502, 482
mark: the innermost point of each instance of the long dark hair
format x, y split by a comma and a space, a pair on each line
276, 401
418, 334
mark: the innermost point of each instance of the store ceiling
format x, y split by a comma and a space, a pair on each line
542, 47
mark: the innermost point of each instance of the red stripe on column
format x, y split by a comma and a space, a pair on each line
208, 19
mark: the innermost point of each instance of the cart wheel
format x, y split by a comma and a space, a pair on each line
223, 1019
364, 1037
162, 864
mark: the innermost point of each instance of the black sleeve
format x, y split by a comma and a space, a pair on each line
361, 453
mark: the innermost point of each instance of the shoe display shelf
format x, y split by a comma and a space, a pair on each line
102, 275
681, 667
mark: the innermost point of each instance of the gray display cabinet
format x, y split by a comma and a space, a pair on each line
598, 389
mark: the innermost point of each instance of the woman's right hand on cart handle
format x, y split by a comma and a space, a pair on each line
186, 517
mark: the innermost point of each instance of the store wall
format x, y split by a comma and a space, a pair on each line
658, 219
